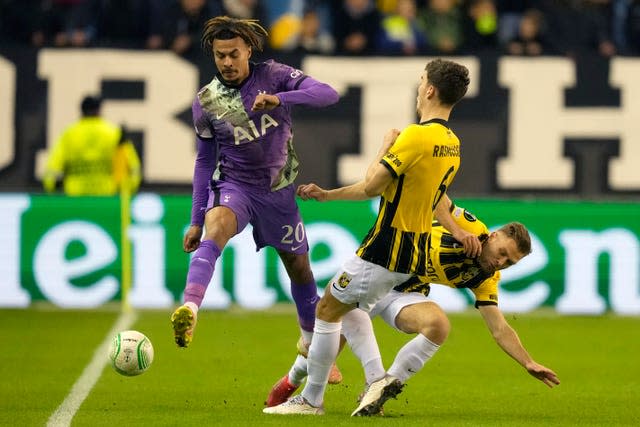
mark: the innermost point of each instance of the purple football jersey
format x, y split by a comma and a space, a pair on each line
253, 149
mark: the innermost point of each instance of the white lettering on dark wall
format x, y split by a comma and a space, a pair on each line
7, 112
534, 152
539, 122
168, 153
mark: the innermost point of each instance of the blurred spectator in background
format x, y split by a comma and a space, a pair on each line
130, 22
299, 26
185, 20
480, 26
386, 7
356, 24
441, 21
633, 28
18, 20
284, 20
510, 12
89, 153
625, 26
244, 9
530, 39
400, 33
579, 26
347, 27
314, 38
66, 23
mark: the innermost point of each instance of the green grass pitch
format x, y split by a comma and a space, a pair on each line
237, 355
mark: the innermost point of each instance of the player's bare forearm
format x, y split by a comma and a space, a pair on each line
387, 142
505, 336
471, 243
350, 192
315, 192
376, 180
509, 341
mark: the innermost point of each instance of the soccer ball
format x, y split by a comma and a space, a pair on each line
131, 353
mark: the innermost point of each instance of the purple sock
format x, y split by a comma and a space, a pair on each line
201, 271
306, 298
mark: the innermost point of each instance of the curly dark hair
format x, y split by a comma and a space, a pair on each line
450, 78
227, 28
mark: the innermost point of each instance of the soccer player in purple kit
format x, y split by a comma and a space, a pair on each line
245, 166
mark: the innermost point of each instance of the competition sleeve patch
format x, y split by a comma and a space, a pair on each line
392, 162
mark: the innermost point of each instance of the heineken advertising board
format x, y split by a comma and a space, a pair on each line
585, 258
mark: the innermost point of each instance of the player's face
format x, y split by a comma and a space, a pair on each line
424, 89
499, 252
232, 59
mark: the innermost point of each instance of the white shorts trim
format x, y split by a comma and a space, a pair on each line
363, 283
389, 307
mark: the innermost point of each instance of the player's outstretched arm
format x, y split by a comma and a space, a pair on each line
508, 340
376, 180
315, 192
307, 91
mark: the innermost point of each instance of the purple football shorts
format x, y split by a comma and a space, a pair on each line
275, 216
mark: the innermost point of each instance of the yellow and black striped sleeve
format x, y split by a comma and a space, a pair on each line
487, 292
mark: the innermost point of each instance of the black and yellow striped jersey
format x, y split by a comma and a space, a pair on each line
423, 160
449, 266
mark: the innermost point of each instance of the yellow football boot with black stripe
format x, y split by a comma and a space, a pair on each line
183, 321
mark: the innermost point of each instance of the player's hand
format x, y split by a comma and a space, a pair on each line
192, 238
265, 102
543, 373
471, 243
312, 192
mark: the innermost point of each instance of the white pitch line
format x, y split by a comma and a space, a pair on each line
64, 414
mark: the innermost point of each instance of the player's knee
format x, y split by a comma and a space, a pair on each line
330, 309
436, 327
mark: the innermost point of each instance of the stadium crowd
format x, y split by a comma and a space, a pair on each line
337, 27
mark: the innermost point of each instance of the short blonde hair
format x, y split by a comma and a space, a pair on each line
519, 233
